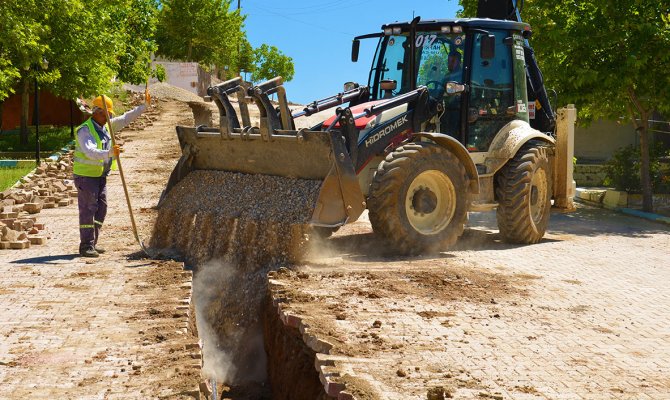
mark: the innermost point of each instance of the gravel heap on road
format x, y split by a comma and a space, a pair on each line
234, 228
163, 90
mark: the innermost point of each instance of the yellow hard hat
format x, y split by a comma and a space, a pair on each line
97, 102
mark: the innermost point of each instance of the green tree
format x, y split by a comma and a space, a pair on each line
246, 57
137, 22
84, 44
609, 57
204, 31
271, 62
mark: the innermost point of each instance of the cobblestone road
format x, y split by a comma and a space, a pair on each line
581, 315
107, 328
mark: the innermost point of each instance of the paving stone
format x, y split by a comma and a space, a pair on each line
32, 208
26, 223
19, 245
37, 239
9, 234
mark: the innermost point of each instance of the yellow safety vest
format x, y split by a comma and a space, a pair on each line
84, 166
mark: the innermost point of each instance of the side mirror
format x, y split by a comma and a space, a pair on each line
355, 48
487, 49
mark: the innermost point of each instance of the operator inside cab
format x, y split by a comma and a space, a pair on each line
440, 61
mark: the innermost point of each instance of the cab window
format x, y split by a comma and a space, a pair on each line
491, 99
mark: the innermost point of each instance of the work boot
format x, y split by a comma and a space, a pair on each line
100, 250
88, 252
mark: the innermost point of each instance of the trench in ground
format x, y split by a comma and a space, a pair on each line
268, 361
234, 229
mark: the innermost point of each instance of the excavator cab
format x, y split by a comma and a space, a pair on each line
483, 57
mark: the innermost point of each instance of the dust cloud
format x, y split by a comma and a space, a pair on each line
229, 330
234, 229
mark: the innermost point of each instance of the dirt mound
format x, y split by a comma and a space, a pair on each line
164, 91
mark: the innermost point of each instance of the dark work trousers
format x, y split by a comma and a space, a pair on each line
92, 198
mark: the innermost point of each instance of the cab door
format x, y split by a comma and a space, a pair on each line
491, 102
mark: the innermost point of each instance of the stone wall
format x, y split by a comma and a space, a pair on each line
589, 175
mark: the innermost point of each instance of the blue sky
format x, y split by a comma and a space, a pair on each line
317, 34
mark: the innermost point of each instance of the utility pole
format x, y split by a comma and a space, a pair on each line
239, 49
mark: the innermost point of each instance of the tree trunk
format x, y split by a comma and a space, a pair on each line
643, 128
645, 175
25, 109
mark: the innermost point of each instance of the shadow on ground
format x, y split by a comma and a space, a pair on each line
55, 259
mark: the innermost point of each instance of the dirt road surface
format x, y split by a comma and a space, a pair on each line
581, 315
107, 328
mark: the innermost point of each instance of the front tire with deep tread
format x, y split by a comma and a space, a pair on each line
524, 191
419, 198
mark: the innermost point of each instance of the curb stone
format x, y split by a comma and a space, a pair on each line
595, 197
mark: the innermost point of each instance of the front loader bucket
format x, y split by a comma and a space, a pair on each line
313, 155
273, 148
270, 150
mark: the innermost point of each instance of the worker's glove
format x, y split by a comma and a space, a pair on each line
116, 150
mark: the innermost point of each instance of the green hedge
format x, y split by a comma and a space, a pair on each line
51, 139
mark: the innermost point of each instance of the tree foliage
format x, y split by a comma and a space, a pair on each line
204, 31
609, 57
84, 43
137, 20
246, 57
210, 33
72, 47
271, 62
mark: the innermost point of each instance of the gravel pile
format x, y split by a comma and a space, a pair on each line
235, 228
163, 90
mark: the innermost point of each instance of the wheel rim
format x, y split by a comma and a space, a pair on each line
538, 196
431, 202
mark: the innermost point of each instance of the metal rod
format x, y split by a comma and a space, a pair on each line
402, 99
123, 179
71, 118
329, 102
36, 101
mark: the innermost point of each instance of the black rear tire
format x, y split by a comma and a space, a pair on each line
524, 191
419, 198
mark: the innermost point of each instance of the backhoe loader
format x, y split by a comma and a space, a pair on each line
454, 118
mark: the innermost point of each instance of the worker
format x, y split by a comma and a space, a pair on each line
454, 66
93, 159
